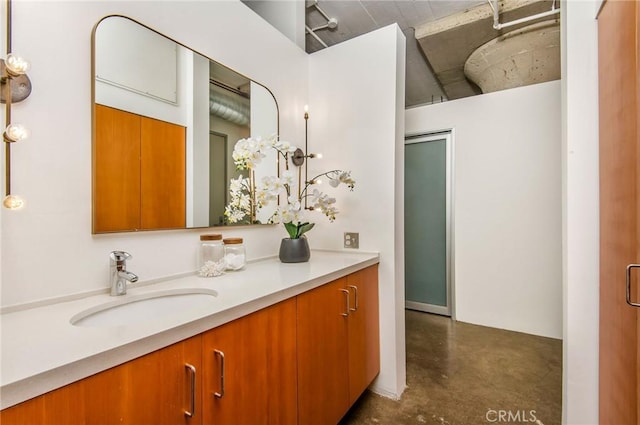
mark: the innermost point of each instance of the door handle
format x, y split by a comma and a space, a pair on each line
355, 290
629, 267
221, 354
192, 409
346, 314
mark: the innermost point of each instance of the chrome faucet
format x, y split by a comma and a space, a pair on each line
118, 272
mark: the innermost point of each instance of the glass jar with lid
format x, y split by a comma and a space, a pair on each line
211, 255
234, 253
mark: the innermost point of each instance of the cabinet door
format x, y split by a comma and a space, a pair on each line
153, 389
62, 406
323, 371
364, 335
116, 200
250, 369
163, 178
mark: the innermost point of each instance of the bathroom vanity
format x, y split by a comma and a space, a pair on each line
273, 344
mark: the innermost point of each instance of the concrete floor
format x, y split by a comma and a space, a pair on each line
462, 374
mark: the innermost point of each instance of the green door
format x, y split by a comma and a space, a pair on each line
427, 224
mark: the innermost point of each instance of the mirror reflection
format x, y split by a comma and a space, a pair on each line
165, 122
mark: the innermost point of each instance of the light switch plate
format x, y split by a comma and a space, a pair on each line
351, 240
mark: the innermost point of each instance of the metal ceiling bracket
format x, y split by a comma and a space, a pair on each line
332, 23
495, 6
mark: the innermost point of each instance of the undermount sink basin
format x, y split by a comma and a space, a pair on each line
133, 309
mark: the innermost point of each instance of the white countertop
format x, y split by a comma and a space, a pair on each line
42, 350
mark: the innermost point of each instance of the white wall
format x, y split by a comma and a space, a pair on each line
507, 205
48, 249
580, 212
198, 144
286, 15
158, 94
264, 124
356, 101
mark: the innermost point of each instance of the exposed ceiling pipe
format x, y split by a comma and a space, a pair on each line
496, 15
331, 23
314, 35
228, 108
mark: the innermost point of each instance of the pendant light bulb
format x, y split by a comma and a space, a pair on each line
15, 132
13, 202
17, 65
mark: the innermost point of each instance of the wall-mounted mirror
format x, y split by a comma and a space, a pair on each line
165, 120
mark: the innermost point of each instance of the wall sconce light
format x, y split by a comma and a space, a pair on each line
15, 133
299, 156
15, 86
13, 73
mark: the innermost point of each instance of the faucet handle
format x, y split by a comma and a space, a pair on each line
120, 256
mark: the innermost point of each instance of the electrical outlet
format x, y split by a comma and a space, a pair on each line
351, 240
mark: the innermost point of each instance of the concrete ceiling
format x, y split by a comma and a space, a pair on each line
356, 17
440, 36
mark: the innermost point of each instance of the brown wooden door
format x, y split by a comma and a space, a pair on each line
163, 178
153, 389
323, 365
619, 210
116, 162
259, 353
364, 339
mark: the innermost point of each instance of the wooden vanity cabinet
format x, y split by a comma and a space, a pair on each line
302, 361
364, 332
338, 346
152, 389
139, 172
250, 369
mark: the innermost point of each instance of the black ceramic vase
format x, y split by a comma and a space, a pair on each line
294, 250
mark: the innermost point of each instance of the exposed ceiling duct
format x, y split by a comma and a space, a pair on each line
525, 56
449, 42
229, 108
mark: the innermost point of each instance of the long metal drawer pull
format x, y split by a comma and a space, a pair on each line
192, 410
221, 354
355, 289
629, 267
348, 303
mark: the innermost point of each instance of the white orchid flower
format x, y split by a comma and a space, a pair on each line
236, 185
284, 146
288, 178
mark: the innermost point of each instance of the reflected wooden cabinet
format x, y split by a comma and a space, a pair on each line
152, 389
338, 346
139, 178
250, 369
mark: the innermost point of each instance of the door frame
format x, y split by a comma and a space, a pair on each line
225, 168
449, 136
